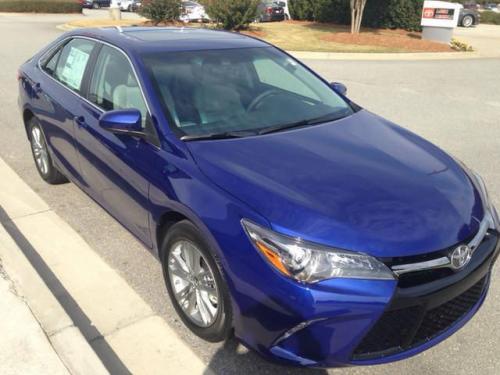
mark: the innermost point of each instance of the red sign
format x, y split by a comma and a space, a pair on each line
439, 14
428, 13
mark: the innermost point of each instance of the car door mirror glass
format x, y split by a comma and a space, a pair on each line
339, 88
123, 121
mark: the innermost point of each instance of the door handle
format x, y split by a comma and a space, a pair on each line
37, 88
80, 121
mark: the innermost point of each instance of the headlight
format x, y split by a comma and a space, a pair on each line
488, 205
308, 262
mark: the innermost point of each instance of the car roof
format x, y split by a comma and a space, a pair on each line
165, 39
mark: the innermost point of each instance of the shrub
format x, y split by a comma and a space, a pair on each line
490, 17
394, 14
457, 45
161, 10
41, 6
336, 11
232, 14
302, 9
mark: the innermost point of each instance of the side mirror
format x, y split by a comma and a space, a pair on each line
340, 88
122, 121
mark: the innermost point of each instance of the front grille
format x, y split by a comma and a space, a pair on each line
440, 318
403, 329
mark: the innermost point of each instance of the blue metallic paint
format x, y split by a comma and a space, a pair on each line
360, 184
128, 120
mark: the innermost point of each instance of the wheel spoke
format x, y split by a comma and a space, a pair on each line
181, 263
180, 273
187, 253
184, 293
205, 312
45, 164
191, 307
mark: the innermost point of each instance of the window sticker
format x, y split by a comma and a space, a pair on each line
72, 72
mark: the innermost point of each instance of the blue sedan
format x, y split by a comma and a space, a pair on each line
316, 232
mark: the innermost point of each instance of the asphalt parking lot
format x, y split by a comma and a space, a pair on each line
453, 103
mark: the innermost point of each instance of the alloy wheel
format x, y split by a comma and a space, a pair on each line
40, 150
467, 21
193, 283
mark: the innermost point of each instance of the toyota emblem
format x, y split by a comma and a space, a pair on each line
460, 257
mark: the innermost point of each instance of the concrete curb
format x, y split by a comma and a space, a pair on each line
125, 333
66, 27
66, 339
410, 56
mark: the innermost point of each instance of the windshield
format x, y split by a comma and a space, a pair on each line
244, 91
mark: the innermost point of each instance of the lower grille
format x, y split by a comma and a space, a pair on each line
403, 329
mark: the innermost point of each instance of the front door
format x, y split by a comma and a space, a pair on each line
116, 166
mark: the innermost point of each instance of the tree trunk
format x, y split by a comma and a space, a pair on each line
357, 10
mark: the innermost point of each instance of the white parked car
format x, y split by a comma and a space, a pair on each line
286, 10
129, 5
193, 12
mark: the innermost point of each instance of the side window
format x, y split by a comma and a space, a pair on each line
273, 74
72, 62
50, 64
114, 85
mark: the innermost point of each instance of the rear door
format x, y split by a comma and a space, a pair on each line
116, 167
59, 97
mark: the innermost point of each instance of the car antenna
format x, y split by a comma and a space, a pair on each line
119, 28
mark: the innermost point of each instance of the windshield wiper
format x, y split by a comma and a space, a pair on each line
315, 121
223, 135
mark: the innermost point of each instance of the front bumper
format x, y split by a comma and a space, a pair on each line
361, 322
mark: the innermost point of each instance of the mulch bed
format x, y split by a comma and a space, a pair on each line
399, 39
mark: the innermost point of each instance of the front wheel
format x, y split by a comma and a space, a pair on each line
467, 21
195, 283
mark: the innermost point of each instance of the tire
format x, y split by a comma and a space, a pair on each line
177, 242
41, 155
129, 8
467, 21
95, 5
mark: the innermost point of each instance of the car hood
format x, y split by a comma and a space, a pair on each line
360, 183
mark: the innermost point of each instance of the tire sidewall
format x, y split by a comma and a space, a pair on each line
221, 328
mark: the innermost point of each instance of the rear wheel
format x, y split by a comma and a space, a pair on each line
41, 155
467, 21
195, 283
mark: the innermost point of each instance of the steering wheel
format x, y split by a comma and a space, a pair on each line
255, 103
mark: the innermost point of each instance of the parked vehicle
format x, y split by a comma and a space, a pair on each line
129, 5
269, 11
493, 7
471, 5
193, 12
469, 17
286, 10
321, 235
96, 4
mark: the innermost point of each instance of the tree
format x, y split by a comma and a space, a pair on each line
232, 14
357, 10
161, 10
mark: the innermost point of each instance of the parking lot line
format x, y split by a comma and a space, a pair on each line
123, 322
